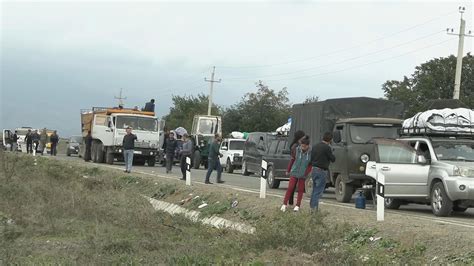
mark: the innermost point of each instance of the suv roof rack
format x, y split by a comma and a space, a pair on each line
417, 131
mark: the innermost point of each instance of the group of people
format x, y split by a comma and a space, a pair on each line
38, 141
305, 160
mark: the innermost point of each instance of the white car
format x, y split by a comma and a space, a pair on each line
232, 150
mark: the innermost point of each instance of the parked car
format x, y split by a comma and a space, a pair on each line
428, 170
232, 150
255, 147
73, 145
277, 158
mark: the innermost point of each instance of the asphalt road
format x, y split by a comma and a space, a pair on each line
252, 184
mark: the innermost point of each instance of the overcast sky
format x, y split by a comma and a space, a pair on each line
60, 57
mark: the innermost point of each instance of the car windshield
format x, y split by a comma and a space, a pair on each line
365, 133
454, 151
207, 126
137, 123
22, 132
236, 145
76, 139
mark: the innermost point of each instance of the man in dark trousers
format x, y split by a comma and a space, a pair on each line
170, 148
185, 152
36, 140
14, 145
88, 143
213, 160
29, 141
128, 145
54, 143
321, 157
150, 106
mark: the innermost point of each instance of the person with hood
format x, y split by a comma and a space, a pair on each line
170, 148
43, 140
29, 141
54, 143
294, 144
300, 168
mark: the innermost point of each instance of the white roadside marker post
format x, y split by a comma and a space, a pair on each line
34, 149
188, 171
380, 197
263, 181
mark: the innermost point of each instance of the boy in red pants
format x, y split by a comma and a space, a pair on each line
298, 169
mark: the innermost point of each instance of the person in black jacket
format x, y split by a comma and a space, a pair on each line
321, 157
150, 106
36, 140
14, 145
54, 143
128, 145
88, 144
29, 142
170, 148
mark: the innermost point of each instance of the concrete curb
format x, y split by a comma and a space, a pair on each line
215, 221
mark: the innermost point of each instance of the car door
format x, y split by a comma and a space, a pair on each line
281, 159
404, 173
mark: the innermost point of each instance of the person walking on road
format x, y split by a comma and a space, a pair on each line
36, 140
185, 153
300, 167
321, 157
54, 143
170, 148
29, 141
213, 160
88, 144
43, 140
299, 135
150, 106
128, 145
14, 145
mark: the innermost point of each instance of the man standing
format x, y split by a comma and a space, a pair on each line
43, 140
54, 143
170, 148
88, 143
213, 160
36, 140
321, 157
29, 141
185, 153
14, 145
150, 106
128, 147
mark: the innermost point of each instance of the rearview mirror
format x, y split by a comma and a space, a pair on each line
337, 136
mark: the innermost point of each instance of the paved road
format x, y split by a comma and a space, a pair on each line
252, 184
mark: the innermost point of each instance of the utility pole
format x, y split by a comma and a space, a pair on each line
120, 98
457, 77
211, 87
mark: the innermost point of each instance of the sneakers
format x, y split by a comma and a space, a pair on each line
283, 208
296, 209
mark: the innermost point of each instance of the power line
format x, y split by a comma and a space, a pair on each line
347, 48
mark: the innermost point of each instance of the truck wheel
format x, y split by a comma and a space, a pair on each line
109, 157
196, 160
151, 161
94, 152
392, 204
343, 190
229, 167
245, 172
272, 182
100, 153
441, 205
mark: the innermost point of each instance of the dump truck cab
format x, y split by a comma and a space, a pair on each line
202, 135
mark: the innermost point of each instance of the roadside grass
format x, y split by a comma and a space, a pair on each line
58, 213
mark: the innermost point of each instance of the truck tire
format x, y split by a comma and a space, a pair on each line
94, 152
392, 204
151, 161
245, 172
229, 167
441, 205
109, 157
343, 191
272, 182
100, 153
196, 160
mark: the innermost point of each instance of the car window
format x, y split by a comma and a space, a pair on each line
224, 144
236, 145
396, 152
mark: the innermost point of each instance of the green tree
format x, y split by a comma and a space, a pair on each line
185, 108
431, 81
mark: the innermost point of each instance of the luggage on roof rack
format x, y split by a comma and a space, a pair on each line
459, 121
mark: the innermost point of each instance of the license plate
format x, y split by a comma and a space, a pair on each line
137, 152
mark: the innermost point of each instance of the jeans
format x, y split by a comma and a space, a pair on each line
169, 162
319, 184
128, 158
211, 165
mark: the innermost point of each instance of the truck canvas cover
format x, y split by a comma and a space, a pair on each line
319, 117
459, 120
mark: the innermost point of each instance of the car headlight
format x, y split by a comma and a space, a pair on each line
462, 171
364, 158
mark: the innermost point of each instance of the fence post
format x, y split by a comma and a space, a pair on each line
263, 181
380, 197
188, 171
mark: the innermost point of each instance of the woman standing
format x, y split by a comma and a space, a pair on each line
296, 141
300, 168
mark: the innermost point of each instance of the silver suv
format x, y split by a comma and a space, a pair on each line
428, 170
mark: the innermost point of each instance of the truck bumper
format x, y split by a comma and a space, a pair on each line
138, 152
460, 188
237, 162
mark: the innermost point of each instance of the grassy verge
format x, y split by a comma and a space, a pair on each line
59, 213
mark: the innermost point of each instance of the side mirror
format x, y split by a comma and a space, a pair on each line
224, 148
421, 159
337, 136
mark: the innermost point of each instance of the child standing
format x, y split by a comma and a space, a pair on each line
300, 167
